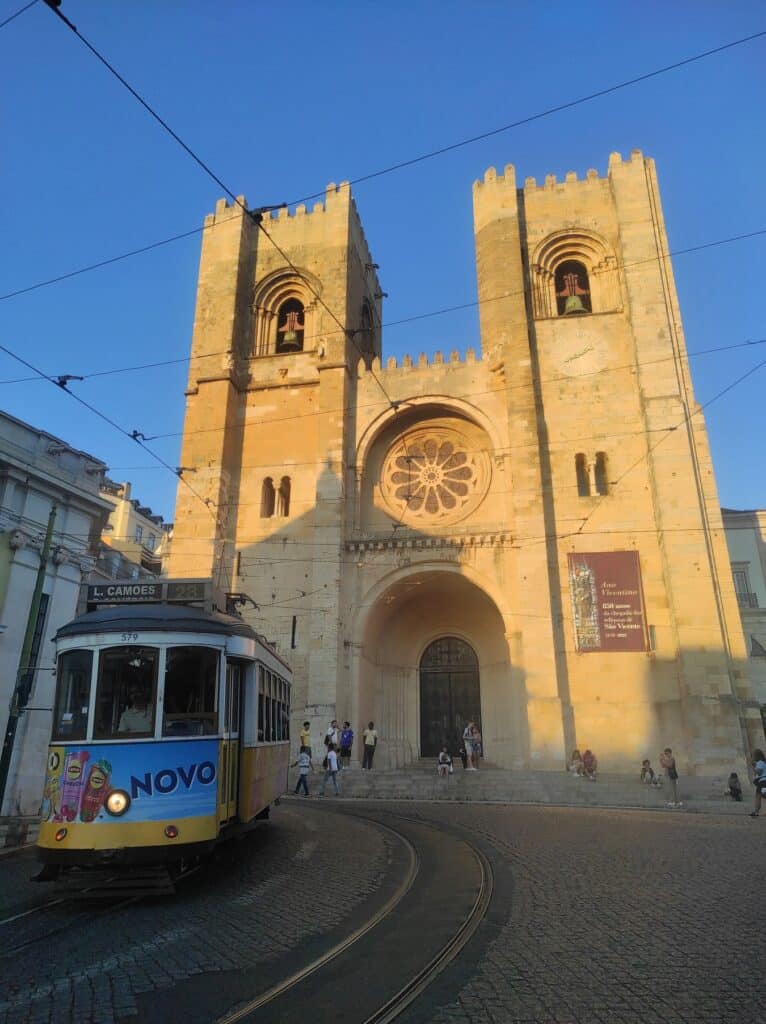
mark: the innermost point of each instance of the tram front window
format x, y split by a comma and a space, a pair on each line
191, 692
70, 717
127, 693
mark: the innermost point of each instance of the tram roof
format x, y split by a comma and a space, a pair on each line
156, 618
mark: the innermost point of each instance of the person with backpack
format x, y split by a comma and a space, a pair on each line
330, 765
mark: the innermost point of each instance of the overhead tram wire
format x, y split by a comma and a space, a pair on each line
12, 17
511, 387
367, 177
135, 435
256, 215
541, 114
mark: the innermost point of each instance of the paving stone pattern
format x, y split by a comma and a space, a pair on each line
619, 917
274, 889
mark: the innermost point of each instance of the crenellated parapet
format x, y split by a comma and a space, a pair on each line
408, 365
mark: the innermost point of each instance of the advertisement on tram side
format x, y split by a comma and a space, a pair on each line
93, 783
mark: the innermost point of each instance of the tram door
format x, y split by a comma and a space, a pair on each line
230, 748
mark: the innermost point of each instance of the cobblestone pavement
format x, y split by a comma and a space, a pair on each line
619, 917
267, 894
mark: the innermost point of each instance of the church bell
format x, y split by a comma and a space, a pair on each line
574, 304
290, 340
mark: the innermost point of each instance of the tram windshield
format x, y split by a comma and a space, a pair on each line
191, 692
70, 716
126, 695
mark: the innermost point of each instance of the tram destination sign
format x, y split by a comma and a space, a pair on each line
144, 592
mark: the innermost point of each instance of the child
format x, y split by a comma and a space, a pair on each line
445, 763
648, 774
462, 754
759, 780
735, 788
304, 767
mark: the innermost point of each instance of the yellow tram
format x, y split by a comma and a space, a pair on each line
170, 729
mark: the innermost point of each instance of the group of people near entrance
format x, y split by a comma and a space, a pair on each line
338, 746
470, 753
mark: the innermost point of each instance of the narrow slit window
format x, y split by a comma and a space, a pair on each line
602, 483
583, 479
268, 498
283, 503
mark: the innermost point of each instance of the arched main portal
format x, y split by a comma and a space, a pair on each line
450, 695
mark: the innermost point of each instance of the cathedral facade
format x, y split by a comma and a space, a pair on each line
527, 536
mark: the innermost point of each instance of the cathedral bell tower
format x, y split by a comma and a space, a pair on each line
285, 311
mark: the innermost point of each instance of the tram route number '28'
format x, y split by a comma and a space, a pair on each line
168, 780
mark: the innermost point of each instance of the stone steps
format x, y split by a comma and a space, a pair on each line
421, 782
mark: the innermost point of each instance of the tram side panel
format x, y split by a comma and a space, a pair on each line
104, 797
263, 778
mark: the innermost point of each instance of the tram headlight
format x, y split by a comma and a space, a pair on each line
117, 803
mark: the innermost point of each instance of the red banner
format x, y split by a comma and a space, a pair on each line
607, 601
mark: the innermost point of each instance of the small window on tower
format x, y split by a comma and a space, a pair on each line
572, 289
602, 484
583, 478
367, 330
290, 322
268, 497
283, 502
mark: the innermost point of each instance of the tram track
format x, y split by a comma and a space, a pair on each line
340, 958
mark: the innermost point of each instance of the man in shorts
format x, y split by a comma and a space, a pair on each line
346, 743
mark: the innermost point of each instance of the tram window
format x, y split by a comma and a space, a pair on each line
70, 719
126, 695
261, 704
191, 689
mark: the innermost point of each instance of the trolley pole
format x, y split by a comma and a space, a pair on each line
21, 689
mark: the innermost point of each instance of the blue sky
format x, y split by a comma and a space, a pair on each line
281, 99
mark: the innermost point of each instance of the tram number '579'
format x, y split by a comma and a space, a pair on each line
128, 638
168, 780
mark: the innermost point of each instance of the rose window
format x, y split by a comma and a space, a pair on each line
434, 474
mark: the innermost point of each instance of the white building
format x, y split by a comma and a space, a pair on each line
746, 539
38, 471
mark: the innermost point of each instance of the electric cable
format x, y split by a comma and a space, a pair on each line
61, 383
52, 4
12, 17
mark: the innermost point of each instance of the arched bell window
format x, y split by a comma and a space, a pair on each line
572, 289
290, 325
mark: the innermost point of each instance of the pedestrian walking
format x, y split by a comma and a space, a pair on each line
330, 770
759, 780
668, 763
304, 767
370, 737
346, 743
306, 737
468, 744
444, 765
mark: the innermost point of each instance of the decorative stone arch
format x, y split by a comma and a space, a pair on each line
582, 246
378, 589
270, 294
443, 403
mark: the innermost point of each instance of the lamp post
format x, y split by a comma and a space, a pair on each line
20, 694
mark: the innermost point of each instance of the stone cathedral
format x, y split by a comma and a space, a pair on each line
527, 536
